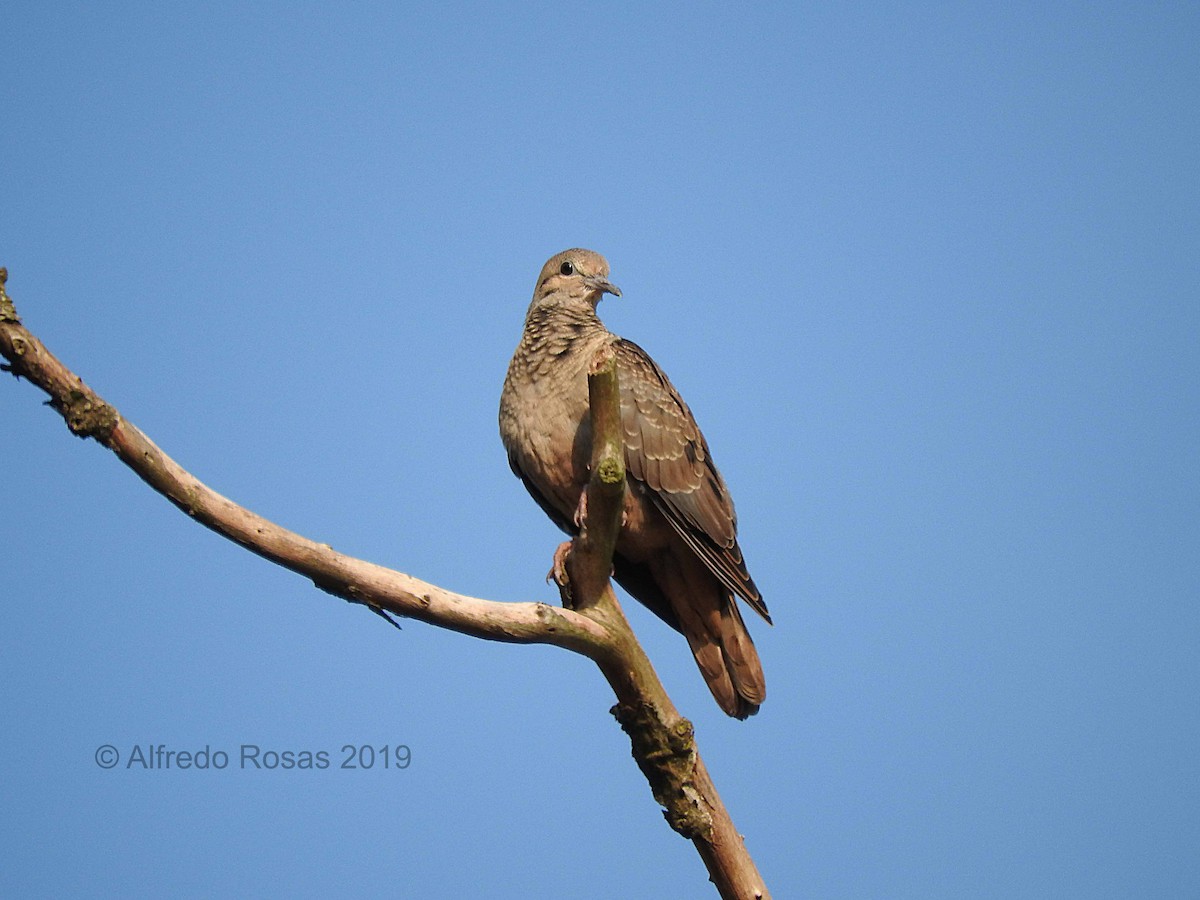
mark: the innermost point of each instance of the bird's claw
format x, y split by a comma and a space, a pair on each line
558, 572
581, 510
580, 516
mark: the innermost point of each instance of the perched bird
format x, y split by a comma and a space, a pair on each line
677, 551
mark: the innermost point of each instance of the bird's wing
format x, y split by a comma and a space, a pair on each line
666, 452
552, 512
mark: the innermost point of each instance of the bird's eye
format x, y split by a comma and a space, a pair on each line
567, 268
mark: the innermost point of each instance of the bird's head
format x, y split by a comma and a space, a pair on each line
575, 275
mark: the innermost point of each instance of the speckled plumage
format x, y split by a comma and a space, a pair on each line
678, 551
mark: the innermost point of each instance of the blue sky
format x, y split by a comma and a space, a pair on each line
927, 275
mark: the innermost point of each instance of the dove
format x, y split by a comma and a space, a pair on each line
677, 551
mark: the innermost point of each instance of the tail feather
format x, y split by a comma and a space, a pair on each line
710, 620
711, 660
745, 669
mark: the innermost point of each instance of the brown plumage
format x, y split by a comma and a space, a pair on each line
678, 551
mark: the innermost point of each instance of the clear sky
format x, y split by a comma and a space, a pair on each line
928, 275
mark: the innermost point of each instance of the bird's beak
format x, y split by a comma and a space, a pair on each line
602, 286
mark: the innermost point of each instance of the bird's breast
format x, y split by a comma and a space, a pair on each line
544, 422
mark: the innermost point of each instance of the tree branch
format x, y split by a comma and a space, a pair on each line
662, 740
88, 416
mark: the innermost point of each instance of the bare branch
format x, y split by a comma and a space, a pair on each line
663, 741
88, 416
590, 561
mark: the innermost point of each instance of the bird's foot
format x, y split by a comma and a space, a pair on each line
558, 572
581, 510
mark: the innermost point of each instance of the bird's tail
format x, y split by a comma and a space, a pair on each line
741, 659
724, 651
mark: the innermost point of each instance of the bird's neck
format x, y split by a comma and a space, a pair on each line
555, 322
563, 335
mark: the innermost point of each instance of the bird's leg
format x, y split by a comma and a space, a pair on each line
581, 510
558, 573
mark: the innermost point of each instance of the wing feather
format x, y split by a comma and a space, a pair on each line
665, 450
